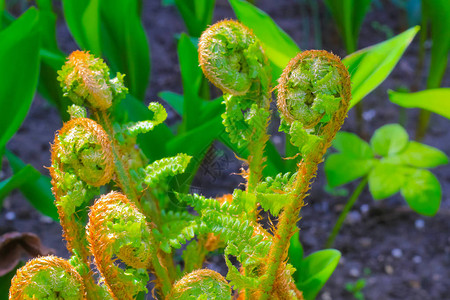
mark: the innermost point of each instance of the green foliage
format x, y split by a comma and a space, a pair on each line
273, 194
399, 167
437, 12
349, 15
356, 288
137, 234
313, 271
197, 15
370, 66
434, 100
37, 191
19, 58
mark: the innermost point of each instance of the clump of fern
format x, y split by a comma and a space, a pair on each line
117, 239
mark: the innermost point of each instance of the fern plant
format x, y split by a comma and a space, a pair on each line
117, 239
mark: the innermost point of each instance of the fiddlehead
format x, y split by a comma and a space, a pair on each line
85, 80
201, 284
314, 94
81, 162
47, 277
233, 59
118, 231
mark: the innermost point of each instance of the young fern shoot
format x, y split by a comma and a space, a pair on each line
314, 92
232, 58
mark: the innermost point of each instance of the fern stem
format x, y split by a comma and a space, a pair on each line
162, 264
348, 206
287, 226
121, 170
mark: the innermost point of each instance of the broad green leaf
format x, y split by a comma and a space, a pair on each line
295, 251
167, 2
37, 191
212, 109
434, 100
82, 17
386, 179
278, 46
438, 13
341, 168
48, 84
423, 192
420, 156
47, 21
2, 9
195, 143
197, 14
352, 145
389, 140
370, 66
19, 61
315, 271
124, 43
28, 173
349, 15
52, 60
191, 76
175, 100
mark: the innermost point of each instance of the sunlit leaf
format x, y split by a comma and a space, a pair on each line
434, 100
370, 66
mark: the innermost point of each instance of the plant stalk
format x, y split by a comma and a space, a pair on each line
287, 225
348, 206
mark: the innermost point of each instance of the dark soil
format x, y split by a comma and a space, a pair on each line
400, 254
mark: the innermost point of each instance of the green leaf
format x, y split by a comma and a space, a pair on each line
277, 44
19, 61
295, 251
315, 271
191, 76
370, 66
349, 15
423, 192
38, 191
438, 12
352, 145
389, 140
124, 43
197, 14
342, 168
195, 143
386, 179
175, 100
420, 156
28, 173
434, 100
82, 17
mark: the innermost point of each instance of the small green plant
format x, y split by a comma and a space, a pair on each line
131, 231
355, 288
389, 164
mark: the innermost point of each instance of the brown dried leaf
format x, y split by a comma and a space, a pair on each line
14, 244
